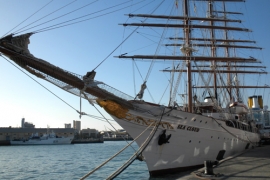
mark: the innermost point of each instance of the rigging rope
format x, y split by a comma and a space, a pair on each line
164, 93
215, 105
38, 82
117, 46
28, 18
133, 70
81, 113
47, 16
143, 86
140, 150
92, 103
56, 26
91, 172
95, 117
161, 39
142, 79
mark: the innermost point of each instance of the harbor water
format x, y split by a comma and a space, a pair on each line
69, 162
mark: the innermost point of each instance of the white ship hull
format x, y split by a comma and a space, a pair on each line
49, 141
194, 139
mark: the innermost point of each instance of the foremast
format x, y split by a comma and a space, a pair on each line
213, 48
187, 34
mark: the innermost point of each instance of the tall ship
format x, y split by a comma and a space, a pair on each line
206, 115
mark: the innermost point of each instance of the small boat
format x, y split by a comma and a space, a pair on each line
46, 139
238, 108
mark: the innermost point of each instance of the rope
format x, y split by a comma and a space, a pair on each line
28, 18
215, 104
140, 150
57, 25
39, 83
91, 172
81, 113
134, 62
117, 46
158, 48
16, 32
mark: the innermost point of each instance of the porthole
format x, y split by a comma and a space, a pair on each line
189, 141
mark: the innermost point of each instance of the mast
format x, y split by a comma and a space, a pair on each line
220, 62
229, 81
213, 48
188, 54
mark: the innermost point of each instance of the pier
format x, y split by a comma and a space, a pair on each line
251, 164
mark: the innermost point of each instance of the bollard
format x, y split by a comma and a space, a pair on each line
208, 167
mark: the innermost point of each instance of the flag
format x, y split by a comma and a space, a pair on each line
176, 3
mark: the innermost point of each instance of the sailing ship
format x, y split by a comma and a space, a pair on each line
212, 122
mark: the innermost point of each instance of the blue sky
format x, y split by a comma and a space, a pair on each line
81, 47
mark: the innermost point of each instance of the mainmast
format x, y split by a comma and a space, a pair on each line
229, 79
213, 47
187, 34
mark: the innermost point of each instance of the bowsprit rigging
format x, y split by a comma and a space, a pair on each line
46, 25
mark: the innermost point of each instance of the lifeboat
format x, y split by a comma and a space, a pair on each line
238, 108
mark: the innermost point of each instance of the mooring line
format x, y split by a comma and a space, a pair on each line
91, 172
140, 150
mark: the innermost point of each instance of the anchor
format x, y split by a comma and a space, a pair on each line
163, 138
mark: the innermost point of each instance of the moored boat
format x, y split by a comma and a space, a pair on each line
46, 139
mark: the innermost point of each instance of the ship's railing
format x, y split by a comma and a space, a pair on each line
108, 89
65, 86
115, 92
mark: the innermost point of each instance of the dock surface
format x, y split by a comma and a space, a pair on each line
251, 164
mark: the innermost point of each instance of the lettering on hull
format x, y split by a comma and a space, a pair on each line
188, 128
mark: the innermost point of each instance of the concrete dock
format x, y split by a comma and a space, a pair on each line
251, 164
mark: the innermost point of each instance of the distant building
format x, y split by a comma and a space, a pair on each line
22, 123
89, 133
7, 134
77, 125
27, 129
27, 124
68, 125
120, 134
